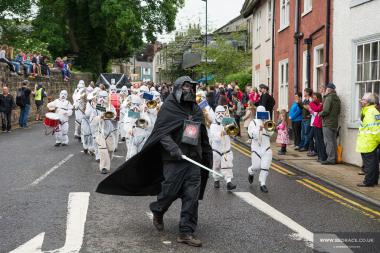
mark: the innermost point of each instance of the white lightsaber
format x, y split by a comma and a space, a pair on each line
202, 166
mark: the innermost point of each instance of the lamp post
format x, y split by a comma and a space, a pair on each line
206, 41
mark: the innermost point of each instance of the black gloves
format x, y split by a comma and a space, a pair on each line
177, 154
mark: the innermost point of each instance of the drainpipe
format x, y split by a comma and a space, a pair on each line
273, 41
328, 20
296, 46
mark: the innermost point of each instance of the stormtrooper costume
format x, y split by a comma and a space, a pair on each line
124, 100
79, 107
221, 147
64, 109
135, 135
105, 134
152, 113
261, 151
115, 101
93, 113
86, 133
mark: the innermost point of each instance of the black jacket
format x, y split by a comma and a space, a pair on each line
6, 103
142, 174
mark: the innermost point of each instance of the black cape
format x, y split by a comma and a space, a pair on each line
142, 174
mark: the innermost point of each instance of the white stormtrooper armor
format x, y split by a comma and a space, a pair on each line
79, 107
91, 110
86, 133
135, 135
261, 151
115, 100
105, 133
123, 111
221, 146
64, 109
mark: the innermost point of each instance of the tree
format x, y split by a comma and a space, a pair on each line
15, 8
100, 30
223, 58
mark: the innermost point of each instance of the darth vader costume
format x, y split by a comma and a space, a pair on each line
158, 168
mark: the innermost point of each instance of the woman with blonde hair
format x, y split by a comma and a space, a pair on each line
249, 116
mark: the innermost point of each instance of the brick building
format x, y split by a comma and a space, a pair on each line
302, 47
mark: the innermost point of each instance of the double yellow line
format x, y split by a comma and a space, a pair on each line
319, 188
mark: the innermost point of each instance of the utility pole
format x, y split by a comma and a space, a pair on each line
206, 41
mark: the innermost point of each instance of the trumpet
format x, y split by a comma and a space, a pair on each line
231, 129
141, 123
151, 104
198, 99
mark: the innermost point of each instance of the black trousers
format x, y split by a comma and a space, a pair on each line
320, 144
181, 180
6, 120
371, 167
296, 126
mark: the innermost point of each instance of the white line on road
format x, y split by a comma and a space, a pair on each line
150, 215
301, 232
38, 180
118, 156
277, 215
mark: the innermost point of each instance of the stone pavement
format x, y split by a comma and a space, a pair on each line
343, 176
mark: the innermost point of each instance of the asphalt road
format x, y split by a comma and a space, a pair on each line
35, 185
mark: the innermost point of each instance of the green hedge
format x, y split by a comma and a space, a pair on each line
242, 78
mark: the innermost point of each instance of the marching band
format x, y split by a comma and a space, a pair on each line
103, 118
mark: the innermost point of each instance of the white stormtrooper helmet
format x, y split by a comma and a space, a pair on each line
63, 95
103, 98
113, 89
80, 84
260, 109
143, 89
220, 113
152, 89
124, 90
135, 103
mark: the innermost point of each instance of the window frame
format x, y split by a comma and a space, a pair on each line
283, 99
258, 29
307, 10
315, 66
269, 19
284, 14
355, 84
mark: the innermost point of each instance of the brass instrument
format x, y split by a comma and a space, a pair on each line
141, 123
198, 99
151, 104
269, 126
231, 129
108, 113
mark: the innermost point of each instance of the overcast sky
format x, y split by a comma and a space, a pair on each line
194, 12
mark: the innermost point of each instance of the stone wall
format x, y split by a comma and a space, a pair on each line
52, 85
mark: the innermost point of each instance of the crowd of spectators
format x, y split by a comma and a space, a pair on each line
33, 64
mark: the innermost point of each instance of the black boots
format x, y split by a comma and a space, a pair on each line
264, 189
250, 179
230, 186
158, 222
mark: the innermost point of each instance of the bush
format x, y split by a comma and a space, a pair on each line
242, 78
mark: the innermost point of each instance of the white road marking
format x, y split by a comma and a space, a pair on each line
118, 156
301, 232
150, 215
76, 219
167, 242
277, 215
38, 180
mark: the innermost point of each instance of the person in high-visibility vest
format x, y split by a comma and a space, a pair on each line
369, 139
39, 94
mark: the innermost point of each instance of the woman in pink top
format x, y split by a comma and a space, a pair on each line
315, 107
254, 95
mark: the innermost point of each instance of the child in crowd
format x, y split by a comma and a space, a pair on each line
282, 133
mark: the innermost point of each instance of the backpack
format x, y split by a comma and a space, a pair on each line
20, 97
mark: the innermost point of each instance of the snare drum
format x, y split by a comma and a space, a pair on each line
51, 120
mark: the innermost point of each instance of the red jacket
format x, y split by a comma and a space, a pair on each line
240, 95
315, 108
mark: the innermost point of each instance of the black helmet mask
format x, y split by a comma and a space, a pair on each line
184, 89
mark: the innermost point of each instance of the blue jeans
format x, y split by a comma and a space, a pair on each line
24, 114
305, 131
